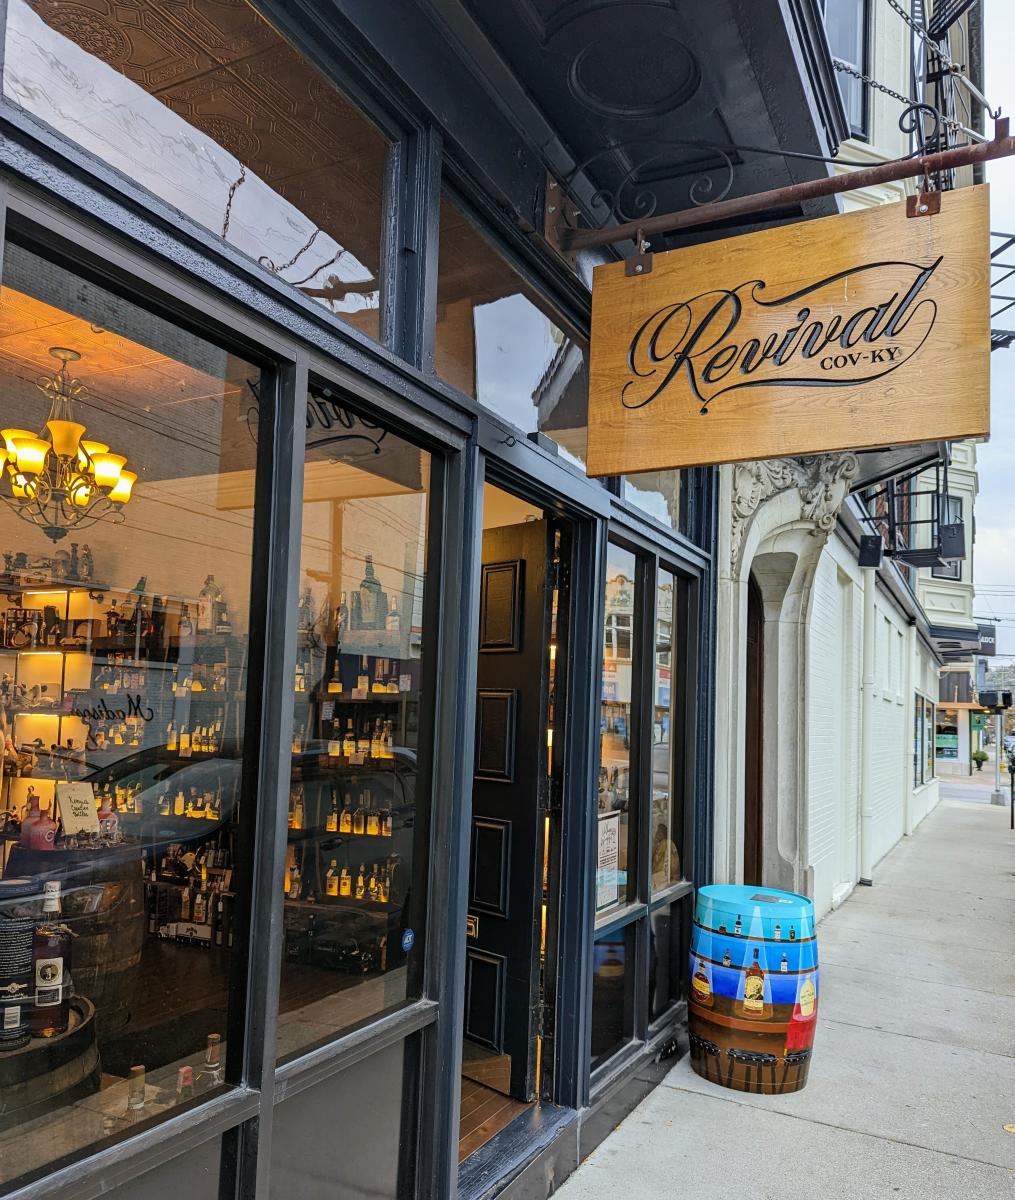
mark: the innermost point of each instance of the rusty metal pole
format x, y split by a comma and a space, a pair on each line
571, 240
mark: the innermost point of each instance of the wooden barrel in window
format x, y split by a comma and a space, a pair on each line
51, 1072
102, 894
753, 1003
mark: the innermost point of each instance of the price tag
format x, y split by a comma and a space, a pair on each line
77, 807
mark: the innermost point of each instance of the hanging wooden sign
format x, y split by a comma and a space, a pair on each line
862, 330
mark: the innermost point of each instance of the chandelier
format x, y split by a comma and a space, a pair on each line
65, 482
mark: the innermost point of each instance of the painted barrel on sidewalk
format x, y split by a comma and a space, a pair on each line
754, 988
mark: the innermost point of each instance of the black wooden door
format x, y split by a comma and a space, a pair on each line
502, 950
753, 734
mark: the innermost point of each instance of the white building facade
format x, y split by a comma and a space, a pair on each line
828, 671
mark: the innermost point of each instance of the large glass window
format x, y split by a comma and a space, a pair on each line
667, 744
127, 484
847, 23
352, 847
614, 957
656, 493
203, 103
615, 881
499, 342
928, 740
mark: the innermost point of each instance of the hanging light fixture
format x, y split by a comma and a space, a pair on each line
65, 482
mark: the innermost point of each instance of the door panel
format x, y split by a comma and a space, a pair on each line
502, 954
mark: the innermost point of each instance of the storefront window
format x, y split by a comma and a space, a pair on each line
668, 939
355, 784
928, 739
208, 107
127, 484
919, 759
615, 881
498, 341
946, 740
613, 975
667, 796
656, 493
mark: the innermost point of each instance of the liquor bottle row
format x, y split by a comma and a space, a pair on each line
357, 680
202, 739
361, 741
366, 816
35, 963
203, 916
39, 830
190, 1082
371, 882
199, 805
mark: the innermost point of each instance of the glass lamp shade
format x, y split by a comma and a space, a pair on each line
31, 454
66, 436
87, 452
12, 436
123, 487
107, 468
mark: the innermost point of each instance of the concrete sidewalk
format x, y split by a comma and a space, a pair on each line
913, 1076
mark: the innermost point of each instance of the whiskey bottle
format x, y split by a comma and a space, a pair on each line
384, 886
363, 743
295, 882
738, 927
369, 603
179, 803
359, 819
361, 886
363, 679
331, 821
185, 903
185, 743
296, 811
335, 741
373, 823
349, 740
208, 600
389, 741
376, 745
17, 934
372, 883
51, 967
345, 883
331, 879
335, 682
386, 822
754, 990
171, 736
200, 908
209, 1073
345, 820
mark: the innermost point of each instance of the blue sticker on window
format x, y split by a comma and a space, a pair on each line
408, 937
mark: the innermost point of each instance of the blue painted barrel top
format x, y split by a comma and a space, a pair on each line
764, 913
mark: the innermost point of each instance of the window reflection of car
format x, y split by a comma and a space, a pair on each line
156, 772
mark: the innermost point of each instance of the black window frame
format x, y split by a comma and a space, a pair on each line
862, 131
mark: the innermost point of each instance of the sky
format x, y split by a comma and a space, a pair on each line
994, 550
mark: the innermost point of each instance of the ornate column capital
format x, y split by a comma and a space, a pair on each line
821, 479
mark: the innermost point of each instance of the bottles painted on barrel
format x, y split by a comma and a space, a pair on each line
701, 987
754, 989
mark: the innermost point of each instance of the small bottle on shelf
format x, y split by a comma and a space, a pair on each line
359, 819
345, 883
184, 1085
386, 822
376, 741
363, 742
361, 886
373, 823
335, 682
331, 879
179, 803
136, 1095
331, 821
185, 903
335, 740
209, 1074
363, 679
345, 820
295, 882
185, 743
372, 885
